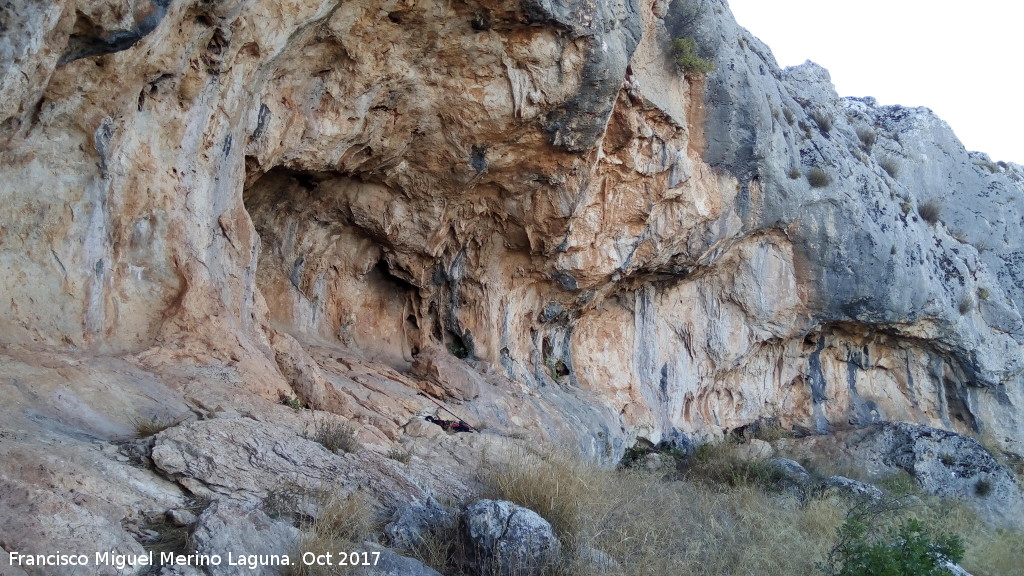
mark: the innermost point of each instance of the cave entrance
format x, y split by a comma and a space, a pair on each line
325, 278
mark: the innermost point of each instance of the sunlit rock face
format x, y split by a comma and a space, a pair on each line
522, 207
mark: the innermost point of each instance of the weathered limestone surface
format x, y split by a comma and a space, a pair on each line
524, 208
508, 539
941, 462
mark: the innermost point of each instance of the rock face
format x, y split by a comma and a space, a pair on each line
212, 205
941, 463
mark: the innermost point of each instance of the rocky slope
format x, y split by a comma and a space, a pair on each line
523, 208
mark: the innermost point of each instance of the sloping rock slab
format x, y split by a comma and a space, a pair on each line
243, 458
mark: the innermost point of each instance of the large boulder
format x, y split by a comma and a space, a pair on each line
506, 539
258, 545
956, 466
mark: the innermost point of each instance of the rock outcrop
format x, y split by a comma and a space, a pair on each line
213, 205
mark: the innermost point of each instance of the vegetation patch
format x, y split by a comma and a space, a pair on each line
402, 456
293, 402
684, 54
867, 137
719, 465
146, 427
714, 516
890, 166
823, 120
334, 436
930, 211
982, 488
341, 524
458, 350
818, 178
910, 549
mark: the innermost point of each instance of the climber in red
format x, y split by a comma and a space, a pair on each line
448, 425
451, 425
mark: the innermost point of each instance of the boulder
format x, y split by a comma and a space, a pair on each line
412, 522
755, 449
843, 486
448, 375
229, 528
953, 465
790, 469
506, 539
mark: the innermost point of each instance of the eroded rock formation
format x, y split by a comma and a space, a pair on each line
523, 207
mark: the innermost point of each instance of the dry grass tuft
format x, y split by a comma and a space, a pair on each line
718, 465
867, 137
556, 486
823, 120
341, 524
402, 456
930, 211
818, 178
965, 304
146, 427
890, 166
334, 436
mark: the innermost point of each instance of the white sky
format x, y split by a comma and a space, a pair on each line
961, 59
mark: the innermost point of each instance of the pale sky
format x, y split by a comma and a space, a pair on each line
961, 59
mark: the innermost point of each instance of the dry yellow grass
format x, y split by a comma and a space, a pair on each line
653, 525
341, 524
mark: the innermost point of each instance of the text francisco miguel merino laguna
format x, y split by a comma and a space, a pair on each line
122, 561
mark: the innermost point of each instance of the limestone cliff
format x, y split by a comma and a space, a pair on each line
522, 207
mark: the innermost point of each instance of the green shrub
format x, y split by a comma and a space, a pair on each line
910, 550
818, 178
684, 54
983, 293
794, 173
789, 116
293, 402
